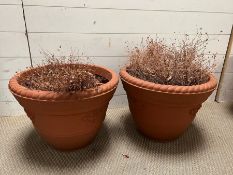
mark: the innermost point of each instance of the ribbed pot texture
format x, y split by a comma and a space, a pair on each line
67, 121
164, 112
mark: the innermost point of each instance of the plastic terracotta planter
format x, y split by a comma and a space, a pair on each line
67, 121
164, 112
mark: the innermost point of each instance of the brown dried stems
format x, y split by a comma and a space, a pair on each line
182, 64
65, 74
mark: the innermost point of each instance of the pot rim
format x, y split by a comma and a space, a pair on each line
40, 95
171, 89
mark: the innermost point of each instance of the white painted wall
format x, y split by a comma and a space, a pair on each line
10, 2
14, 54
99, 29
224, 6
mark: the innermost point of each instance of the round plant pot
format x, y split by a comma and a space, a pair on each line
164, 112
67, 120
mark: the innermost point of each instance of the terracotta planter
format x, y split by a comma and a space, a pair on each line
164, 112
64, 120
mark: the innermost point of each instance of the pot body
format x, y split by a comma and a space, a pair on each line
67, 121
162, 113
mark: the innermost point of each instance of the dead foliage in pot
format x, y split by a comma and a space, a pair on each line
61, 74
182, 63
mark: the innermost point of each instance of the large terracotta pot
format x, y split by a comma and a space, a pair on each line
164, 112
67, 121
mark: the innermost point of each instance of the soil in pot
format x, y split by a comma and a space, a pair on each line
167, 84
66, 102
60, 78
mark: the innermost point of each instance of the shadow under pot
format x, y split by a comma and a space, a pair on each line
164, 112
67, 120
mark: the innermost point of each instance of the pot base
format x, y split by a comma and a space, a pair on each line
69, 143
158, 138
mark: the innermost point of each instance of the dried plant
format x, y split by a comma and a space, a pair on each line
64, 74
181, 63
